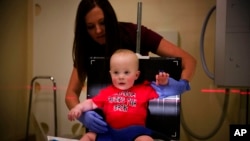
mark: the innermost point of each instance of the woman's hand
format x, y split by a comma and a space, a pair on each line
173, 87
93, 121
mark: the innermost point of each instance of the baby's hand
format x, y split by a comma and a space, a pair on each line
74, 114
161, 78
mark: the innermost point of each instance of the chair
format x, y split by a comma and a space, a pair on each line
163, 114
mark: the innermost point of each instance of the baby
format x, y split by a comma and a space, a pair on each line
123, 103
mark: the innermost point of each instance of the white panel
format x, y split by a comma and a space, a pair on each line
171, 36
232, 43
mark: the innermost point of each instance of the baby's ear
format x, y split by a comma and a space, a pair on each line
137, 74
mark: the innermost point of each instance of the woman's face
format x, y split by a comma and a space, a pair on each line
95, 25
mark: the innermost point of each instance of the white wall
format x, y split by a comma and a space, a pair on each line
52, 55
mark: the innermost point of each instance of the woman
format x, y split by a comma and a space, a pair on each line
98, 33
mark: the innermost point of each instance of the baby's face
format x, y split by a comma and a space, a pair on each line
124, 72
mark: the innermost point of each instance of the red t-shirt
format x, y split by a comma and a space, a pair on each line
125, 108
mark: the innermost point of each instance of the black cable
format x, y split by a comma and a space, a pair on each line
203, 61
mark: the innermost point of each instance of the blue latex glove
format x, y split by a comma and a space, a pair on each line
173, 87
93, 121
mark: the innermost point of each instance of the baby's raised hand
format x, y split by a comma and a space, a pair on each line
161, 78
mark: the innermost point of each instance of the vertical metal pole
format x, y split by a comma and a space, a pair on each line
138, 37
55, 108
29, 109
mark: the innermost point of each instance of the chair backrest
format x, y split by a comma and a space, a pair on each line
163, 114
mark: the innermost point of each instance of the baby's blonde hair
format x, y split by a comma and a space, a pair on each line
126, 53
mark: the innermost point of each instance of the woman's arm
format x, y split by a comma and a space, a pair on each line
168, 49
73, 90
175, 87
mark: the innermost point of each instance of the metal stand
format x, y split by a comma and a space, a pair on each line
138, 33
30, 103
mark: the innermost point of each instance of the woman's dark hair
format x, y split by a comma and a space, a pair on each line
83, 42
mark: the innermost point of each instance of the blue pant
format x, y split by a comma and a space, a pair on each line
127, 134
